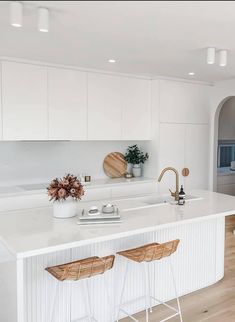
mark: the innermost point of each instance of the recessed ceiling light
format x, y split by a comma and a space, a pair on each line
191, 73
112, 61
16, 14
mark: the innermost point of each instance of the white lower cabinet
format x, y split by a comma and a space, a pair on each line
67, 104
184, 145
24, 102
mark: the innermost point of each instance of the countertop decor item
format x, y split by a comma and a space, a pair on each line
65, 193
136, 157
115, 165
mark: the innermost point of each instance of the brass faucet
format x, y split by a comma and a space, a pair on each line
176, 193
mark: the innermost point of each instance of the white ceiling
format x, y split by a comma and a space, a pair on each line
167, 38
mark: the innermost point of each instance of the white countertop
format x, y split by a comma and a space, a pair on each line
226, 171
34, 231
40, 188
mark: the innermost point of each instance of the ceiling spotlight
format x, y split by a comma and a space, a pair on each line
191, 73
43, 19
223, 54
112, 61
16, 14
210, 56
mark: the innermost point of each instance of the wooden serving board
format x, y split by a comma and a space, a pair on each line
115, 166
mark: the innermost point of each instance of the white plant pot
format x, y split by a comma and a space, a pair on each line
65, 208
137, 170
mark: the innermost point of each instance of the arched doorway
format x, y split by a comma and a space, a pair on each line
224, 144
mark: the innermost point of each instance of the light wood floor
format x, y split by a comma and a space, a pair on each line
212, 304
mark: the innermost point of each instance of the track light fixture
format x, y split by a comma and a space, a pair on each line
43, 19
223, 57
210, 55
16, 14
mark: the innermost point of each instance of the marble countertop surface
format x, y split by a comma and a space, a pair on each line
31, 232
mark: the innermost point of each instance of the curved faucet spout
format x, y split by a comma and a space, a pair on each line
176, 193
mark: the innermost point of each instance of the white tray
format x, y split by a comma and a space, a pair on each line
99, 216
100, 222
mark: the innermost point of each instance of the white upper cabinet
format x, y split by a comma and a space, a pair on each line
136, 115
183, 102
119, 108
24, 102
67, 103
105, 103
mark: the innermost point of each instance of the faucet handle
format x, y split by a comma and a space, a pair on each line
172, 193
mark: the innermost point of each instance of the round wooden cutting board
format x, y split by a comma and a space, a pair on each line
115, 166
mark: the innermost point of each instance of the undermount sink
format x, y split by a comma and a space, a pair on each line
164, 199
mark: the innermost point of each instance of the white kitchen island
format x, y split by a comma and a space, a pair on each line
32, 240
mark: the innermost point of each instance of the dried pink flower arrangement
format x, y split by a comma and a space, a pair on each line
69, 186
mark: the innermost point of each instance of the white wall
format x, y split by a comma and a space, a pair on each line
227, 120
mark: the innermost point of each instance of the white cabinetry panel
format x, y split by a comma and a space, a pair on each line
171, 153
24, 101
197, 156
184, 145
136, 114
104, 107
67, 102
0, 102
183, 102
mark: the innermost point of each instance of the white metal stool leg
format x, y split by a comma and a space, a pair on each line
147, 291
176, 293
52, 311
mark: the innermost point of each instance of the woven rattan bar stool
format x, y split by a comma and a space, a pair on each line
143, 256
80, 270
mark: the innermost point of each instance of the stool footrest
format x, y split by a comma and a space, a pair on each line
85, 318
165, 304
130, 316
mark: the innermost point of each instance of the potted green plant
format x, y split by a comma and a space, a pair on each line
136, 157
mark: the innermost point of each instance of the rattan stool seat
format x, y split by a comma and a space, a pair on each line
151, 252
83, 268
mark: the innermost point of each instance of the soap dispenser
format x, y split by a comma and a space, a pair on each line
181, 196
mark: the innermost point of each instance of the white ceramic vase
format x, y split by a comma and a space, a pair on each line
65, 208
137, 170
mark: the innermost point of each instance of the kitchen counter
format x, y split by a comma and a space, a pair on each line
226, 171
32, 240
32, 232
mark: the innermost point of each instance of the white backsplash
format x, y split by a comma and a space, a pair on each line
35, 162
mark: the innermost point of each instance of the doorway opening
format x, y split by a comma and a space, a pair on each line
224, 158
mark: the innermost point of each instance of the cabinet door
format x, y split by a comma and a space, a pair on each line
183, 102
0, 102
67, 102
136, 115
171, 153
24, 102
197, 156
104, 107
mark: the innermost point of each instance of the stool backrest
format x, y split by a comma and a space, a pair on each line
150, 252
80, 269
